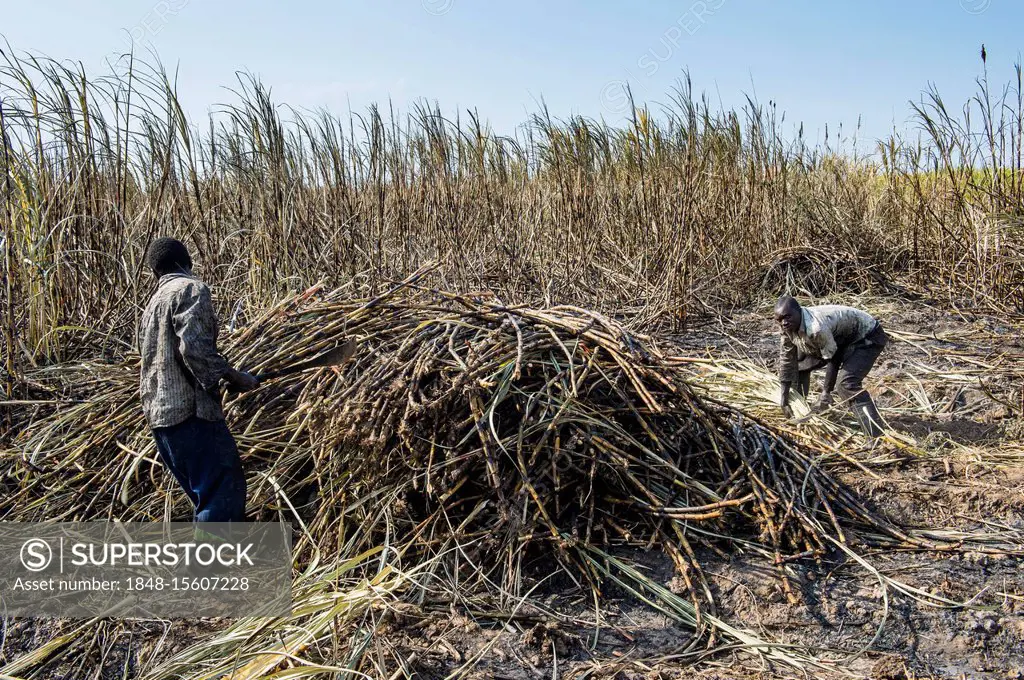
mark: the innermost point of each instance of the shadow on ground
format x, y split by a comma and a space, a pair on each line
959, 430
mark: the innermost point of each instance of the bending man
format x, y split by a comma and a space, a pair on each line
181, 372
845, 340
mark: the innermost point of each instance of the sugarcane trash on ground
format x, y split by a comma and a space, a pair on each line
476, 438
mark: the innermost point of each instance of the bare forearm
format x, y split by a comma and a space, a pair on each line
831, 374
788, 364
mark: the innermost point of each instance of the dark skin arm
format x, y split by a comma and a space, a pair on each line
788, 316
240, 381
787, 368
831, 374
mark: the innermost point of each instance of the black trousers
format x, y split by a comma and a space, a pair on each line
855, 362
203, 457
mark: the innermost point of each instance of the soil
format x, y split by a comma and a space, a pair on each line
839, 609
951, 382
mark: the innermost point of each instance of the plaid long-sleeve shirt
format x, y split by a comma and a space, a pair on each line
181, 367
824, 330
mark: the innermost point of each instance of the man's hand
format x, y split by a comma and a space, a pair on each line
825, 401
239, 381
787, 411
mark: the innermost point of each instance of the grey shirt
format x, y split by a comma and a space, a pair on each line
181, 367
824, 329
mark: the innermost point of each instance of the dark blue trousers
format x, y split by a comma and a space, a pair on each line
203, 457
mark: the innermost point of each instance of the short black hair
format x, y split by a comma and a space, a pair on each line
787, 304
167, 254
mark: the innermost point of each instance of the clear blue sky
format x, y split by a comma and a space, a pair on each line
822, 62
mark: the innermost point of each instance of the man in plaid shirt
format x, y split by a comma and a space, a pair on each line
180, 376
